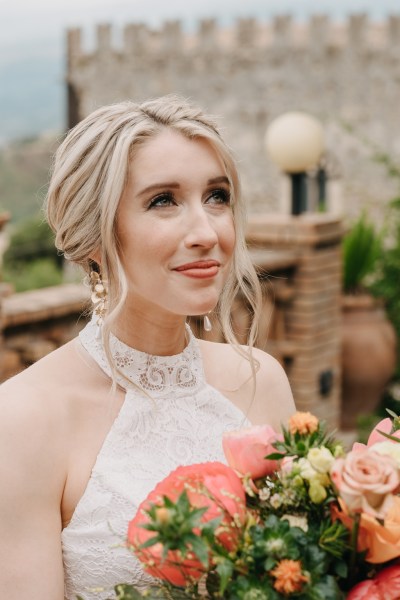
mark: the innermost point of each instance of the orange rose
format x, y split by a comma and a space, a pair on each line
381, 541
303, 423
245, 450
213, 485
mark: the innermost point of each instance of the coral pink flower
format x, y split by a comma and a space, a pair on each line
213, 485
386, 426
366, 481
245, 450
385, 586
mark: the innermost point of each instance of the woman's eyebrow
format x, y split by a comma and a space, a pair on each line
221, 179
158, 186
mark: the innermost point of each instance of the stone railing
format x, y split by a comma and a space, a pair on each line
299, 264
35, 323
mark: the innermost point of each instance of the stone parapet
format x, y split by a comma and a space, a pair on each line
36, 322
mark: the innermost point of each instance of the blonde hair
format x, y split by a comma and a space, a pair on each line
90, 173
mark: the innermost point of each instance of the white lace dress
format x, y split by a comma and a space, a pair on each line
178, 421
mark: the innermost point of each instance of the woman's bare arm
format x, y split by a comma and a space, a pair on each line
32, 477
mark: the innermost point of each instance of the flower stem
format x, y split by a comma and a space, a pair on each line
354, 545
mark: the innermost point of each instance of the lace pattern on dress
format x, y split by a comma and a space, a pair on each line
179, 419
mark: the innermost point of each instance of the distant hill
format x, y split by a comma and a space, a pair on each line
31, 96
24, 175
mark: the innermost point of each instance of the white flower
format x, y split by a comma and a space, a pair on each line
276, 500
275, 546
321, 459
388, 448
296, 521
264, 494
306, 469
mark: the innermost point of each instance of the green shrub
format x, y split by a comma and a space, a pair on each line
42, 272
362, 247
31, 260
30, 240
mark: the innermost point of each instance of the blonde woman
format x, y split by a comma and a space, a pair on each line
146, 199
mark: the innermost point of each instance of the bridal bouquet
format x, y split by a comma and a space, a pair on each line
292, 516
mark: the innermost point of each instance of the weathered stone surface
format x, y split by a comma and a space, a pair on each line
347, 75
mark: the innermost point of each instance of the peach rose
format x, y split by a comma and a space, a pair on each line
213, 485
303, 423
366, 481
245, 450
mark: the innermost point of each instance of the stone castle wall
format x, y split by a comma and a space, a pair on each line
344, 74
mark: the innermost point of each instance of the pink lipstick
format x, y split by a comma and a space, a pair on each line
201, 269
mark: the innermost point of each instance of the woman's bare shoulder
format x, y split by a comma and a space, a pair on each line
235, 360
272, 398
56, 377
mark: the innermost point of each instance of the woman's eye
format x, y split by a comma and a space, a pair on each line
219, 196
162, 200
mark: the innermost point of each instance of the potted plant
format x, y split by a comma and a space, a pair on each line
368, 337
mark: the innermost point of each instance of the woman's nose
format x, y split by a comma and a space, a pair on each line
200, 229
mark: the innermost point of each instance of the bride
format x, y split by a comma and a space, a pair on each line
146, 199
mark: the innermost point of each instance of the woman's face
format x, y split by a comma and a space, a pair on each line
175, 226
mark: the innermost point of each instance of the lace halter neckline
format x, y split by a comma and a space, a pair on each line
156, 375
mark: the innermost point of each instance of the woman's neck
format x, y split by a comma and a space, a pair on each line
153, 334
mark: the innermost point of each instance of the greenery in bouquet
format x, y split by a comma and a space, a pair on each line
292, 516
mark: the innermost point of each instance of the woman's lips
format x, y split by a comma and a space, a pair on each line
201, 269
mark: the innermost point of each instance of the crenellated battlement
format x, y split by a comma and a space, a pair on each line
252, 72
283, 32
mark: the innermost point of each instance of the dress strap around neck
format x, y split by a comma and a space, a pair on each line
155, 375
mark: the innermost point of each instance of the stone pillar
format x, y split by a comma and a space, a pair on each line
313, 317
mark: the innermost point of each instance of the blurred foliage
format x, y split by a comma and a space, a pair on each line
37, 274
31, 239
386, 283
362, 248
31, 260
24, 175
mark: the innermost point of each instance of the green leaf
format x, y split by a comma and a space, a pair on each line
392, 413
224, 570
127, 592
269, 563
199, 547
341, 569
275, 456
151, 542
389, 437
326, 589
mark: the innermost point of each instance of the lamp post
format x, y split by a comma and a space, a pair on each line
294, 141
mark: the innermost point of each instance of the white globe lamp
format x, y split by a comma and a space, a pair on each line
295, 142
